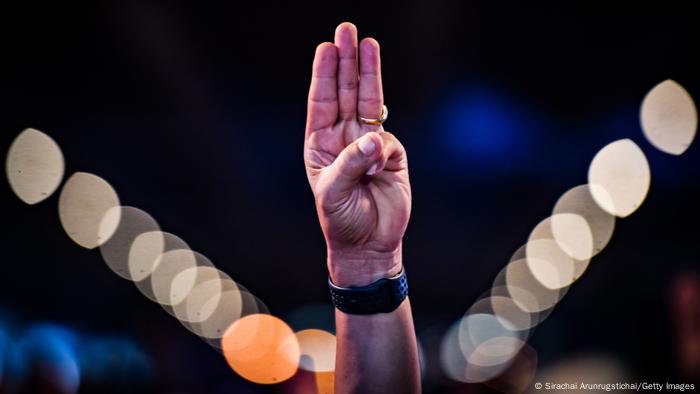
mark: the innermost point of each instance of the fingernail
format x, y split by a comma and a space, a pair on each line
372, 170
366, 145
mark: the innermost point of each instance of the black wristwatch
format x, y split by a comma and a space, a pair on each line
382, 296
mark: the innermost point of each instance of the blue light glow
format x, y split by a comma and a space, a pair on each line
115, 360
484, 130
48, 352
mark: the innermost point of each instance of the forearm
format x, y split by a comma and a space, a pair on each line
377, 353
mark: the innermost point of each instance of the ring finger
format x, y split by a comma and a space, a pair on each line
370, 95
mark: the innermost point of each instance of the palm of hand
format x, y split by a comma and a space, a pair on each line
363, 202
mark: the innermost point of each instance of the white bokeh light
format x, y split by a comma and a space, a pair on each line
619, 177
579, 201
669, 117
34, 166
85, 208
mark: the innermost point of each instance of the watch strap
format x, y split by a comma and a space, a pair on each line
382, 296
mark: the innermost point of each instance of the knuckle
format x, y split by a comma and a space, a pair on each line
389, 137
376, 128
347, 85
372, 100
322, 100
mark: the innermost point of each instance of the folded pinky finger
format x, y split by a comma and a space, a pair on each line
393, 157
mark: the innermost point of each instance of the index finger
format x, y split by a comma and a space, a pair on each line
322, 109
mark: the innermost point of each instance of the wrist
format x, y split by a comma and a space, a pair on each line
360, 267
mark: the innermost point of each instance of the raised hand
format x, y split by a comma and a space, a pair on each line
358, 172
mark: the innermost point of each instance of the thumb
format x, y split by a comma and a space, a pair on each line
356, 160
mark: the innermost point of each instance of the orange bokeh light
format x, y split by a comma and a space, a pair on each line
261, 348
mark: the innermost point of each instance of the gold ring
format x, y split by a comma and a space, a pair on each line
380, 120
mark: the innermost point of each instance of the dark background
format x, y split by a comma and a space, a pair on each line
195, 113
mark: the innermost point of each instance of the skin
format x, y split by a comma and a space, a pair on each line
359, 177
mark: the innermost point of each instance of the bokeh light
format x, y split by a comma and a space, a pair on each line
453, 362
47, 360
488, 343
477, 328
579, 201
550, 259
169, 266
525, 299
85, 208
147, 252
549, 264
207, 284
143, 254
185, 280
619, 177
232, 305
317, 349
497, 303
669, 117
478, 347
163, 267
519, 374
526, 290
325, 382
573, 234
34, 166
121, 253
262, 348
492, 357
